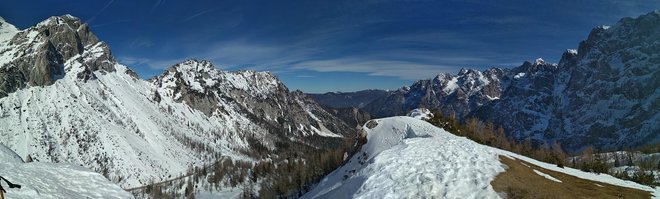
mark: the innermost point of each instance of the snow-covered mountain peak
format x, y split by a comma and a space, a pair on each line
64, 24
7, 31
60, 20
573, 52
54, 48
194, 74
569, 57
539, 61
443, 76
257, 81
193, 65
465, 71
202, 75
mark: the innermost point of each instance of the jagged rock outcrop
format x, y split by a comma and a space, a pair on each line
36, 56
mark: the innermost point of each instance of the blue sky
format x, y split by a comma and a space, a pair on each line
336, 45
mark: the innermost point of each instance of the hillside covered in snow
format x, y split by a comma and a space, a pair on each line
49, 180
406, 157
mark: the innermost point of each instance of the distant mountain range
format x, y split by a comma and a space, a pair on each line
605, 93
356, 99
64, 98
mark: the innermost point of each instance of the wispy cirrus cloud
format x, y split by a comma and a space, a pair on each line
392, 68
140, 43
90, 20
499, 20
191, 17
110, 23
153, 8
157, 64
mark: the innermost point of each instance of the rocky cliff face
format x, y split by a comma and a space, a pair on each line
64, 98
526, 102
606, 93
36, 56
609, 93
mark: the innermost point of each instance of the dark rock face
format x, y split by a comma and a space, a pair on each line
607, 94
356, 99
38, 53
526, 104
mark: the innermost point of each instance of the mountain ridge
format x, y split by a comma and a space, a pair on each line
80, 106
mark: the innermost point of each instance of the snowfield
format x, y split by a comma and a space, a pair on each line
49, 180
405, 157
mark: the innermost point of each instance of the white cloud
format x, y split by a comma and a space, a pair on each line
401, 69
151, 63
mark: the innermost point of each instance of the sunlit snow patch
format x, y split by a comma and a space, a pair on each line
420, 113
50, 180
549, 177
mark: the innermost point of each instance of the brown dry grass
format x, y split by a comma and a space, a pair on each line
520, 181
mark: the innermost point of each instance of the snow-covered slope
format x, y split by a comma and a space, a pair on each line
406, 157
64, 98
49, 180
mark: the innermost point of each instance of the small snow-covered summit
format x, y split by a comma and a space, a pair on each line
7, 31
